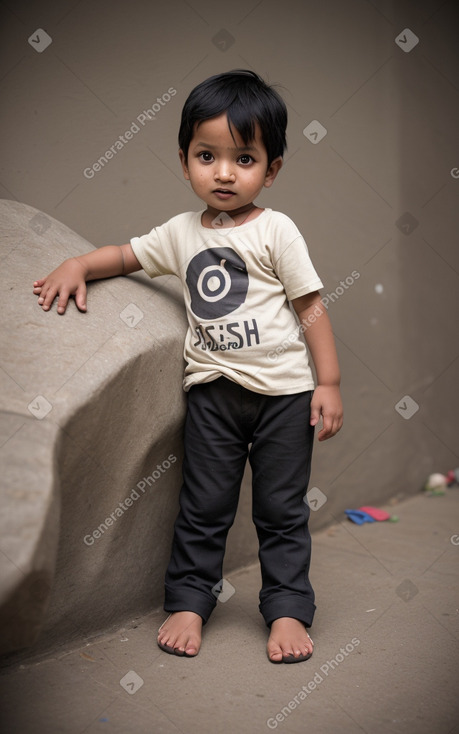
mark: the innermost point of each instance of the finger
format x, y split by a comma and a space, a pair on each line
41, 295
331, 428
47, 298
327, 428
337, 424
62, 301
315, 414
80, 297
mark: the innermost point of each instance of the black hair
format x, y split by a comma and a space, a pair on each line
247, 100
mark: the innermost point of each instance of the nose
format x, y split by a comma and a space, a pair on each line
224, 172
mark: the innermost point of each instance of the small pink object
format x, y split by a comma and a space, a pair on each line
376, 513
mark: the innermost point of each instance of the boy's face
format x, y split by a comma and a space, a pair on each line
225, 173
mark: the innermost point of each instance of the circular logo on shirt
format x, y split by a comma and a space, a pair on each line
218, 282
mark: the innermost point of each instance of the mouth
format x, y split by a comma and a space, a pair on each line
224, 193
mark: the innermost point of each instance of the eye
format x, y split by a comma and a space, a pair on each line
205, 156
245, 159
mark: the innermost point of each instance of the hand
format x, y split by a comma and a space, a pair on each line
326, 402
67, 280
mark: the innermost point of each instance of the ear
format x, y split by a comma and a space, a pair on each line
272, 171
184, 164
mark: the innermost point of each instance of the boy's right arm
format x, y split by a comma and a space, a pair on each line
69, 279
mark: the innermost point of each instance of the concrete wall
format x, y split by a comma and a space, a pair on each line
376, 196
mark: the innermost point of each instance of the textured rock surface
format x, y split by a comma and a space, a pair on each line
92, 406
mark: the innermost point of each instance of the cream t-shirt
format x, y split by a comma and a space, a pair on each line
237, 284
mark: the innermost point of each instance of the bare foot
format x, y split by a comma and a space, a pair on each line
180, 634
289, 638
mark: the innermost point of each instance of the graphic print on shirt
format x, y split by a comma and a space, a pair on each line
218, 282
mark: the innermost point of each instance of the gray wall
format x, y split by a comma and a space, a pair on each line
377, 195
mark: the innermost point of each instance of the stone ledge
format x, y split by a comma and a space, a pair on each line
91, 405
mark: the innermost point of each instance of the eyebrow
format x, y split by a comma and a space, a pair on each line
201, 144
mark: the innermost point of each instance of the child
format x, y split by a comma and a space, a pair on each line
250, 391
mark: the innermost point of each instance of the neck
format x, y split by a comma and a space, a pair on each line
238, 215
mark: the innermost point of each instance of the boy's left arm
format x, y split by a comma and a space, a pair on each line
326, 401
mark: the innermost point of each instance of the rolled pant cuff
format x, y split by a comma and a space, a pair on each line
288, 606
191, 602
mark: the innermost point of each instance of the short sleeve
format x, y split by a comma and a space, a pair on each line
151, 252
295, 270
157, 251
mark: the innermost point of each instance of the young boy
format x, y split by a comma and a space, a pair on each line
250, 391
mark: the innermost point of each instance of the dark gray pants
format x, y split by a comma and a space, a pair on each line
223, 418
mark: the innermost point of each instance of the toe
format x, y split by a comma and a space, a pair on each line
185, 646
309, 645
163, 636
275, 653
179, 635
289, 641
